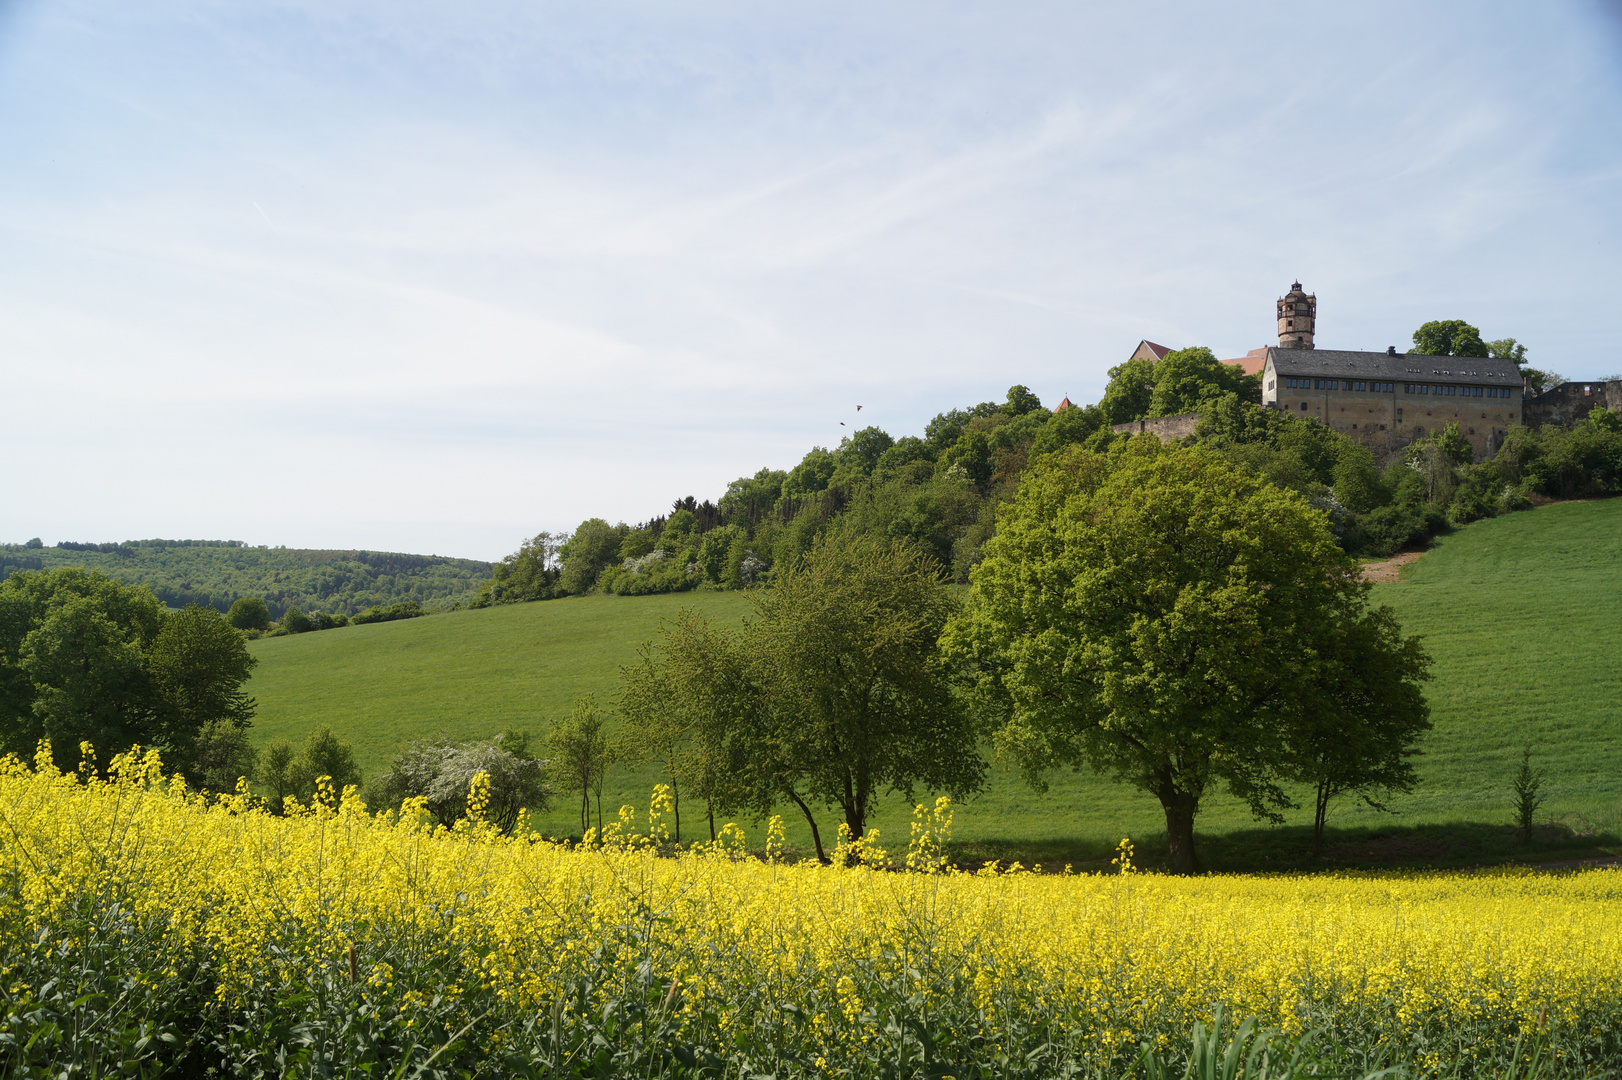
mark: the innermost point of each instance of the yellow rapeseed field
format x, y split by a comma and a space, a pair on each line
517, 939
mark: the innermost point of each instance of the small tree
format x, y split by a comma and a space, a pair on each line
854, 699
249, 613
1362, 713
581, 756
275, 772
684, 705
294, 621
222, 755
1527, 786
283, 772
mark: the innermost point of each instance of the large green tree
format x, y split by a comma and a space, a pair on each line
1150, 612
855, 699
73, 664
1449, 337
198, 664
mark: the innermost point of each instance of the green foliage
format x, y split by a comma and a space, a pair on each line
1188, 379
218, 573
285, 773
249, 613
1451, 337
1163, 617
1527, 786
591, 548
1508, 349
1021, 401
852, 697
294, 621
858, 454
406, 609
581, 756
812, 474
1520, 654
198, 664
533, 572
682, 706
86, 659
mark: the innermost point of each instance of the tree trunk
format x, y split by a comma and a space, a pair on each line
1180, 808
709, 805
1320, 813
816, 837
675, 800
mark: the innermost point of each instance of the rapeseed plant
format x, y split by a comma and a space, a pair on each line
192, 933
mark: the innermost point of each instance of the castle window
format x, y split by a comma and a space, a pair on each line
1271, 383
1361, 386
1303, 406
1450, 391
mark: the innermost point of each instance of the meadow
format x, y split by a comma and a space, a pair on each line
147, 931
1522, 614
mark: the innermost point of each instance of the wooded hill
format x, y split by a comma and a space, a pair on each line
942, 490
215, 573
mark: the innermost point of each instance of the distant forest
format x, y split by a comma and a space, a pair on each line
216, 572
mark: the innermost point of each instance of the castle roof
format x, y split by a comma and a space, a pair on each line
1063, 405
1148, 350
1397, 367
1252, 362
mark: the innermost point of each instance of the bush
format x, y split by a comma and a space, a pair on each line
249, 613
295, 621
442, 772
405, 609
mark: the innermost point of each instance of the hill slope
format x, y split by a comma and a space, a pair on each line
1523, 614
216, 572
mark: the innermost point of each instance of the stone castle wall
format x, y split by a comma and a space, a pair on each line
1571, 402
1166, 427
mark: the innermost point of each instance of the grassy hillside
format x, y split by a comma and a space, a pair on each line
216, 572
1523, 614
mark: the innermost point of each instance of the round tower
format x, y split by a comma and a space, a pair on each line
1297, 312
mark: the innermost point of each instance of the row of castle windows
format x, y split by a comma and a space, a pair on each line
1407, 388
1462, 391
1338, 384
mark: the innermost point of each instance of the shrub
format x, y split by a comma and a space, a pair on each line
249, 613
405, 609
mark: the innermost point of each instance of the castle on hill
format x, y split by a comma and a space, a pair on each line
1388, 400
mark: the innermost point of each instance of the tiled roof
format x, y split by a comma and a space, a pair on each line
1061, 406
1403, 367
1251, 362
1157, 351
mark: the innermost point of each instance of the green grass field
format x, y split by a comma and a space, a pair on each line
1523, 615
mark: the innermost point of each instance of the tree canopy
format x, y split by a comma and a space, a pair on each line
855, 700
1449, 337
86, 659
1160, 614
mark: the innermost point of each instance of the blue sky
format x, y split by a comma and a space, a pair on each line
433, 277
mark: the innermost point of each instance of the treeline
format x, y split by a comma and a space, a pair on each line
942, 489
217, 573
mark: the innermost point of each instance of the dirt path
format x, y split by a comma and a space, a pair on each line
1387, 570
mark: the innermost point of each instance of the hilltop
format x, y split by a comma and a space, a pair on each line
215, 572
1520, 612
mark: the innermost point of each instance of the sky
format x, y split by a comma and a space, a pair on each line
433, 277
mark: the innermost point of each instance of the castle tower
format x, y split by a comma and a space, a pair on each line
1297, 313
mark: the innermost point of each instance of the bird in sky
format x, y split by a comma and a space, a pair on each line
841, 423
858, 408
